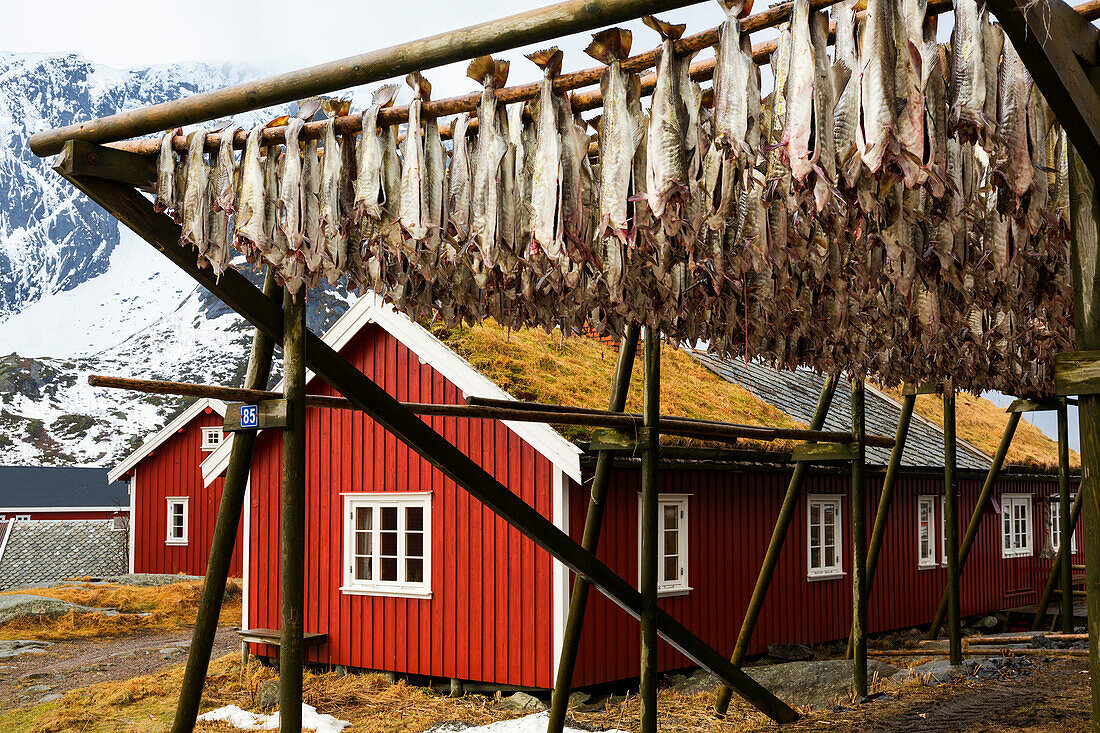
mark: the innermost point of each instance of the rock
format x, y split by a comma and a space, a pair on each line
27, 604
456, 688
790, 652
818, 684
987, 624
129, 654
37, 688
186, 644
49, 698
939, 671
449, 726
33, 676
170, 651
269, 694
577, 699
523, 702
936, 645
699, 681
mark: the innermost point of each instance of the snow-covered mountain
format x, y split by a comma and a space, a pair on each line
78, 296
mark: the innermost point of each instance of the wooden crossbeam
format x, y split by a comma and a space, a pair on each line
136, 212
1046, 33
1028, 405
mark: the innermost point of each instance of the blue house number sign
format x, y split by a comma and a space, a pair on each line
250, 416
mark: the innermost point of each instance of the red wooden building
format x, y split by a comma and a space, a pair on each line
172, 510
411, 575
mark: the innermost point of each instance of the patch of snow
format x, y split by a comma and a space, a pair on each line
311, 719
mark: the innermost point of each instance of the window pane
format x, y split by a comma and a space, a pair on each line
387, 568
828, 514
363, 543
830, 534
414, 518
815, 515
414, 544
815, 536
830, 557
672, 513
815, 558
389, 518
672, 569
362, 568
414, 571
363, 517
672, 541
389, 543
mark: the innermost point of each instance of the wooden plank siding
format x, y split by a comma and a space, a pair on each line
731, 515
173, 469
489, 617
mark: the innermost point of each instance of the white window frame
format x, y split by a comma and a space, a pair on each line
399, 588
173, 501
680, 586
1054, 508
23, 517
207, 446
927, 502
943, 529
1008, 504
837, 569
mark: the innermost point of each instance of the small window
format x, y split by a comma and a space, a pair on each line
926, 531
825, 556
211, 438
119, 524
23, 517
1015, 525
672, 547
177, 521
1055, 528
387, 544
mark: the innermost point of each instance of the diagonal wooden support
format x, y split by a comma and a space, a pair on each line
1045, 33
136, 212
224, 539
590, 540
775, 546
1055, 573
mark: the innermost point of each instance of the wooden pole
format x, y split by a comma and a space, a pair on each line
1056, 567
224, 539
1084, 255
291, 646
859, 541
232, 288
590, 540
950, 518
1065, 529
651, 404
775, 546
886, 496
984, 499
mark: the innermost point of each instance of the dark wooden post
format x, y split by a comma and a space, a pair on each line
950, 518
859, 540
291, 647
775, 546
1084, 223
886, 496
979, 510
1065, 529
593, 525
224, 539
1056, 567
651, 409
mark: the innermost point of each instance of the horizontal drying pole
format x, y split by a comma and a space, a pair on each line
515, 412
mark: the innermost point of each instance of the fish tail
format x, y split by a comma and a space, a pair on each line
548, 59
668, 31
385, 95
733, 7
421, 87
487, 68
612, 44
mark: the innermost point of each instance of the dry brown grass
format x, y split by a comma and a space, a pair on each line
536, 366
981, 423
170, 607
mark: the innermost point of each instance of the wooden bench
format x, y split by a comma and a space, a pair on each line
271, 636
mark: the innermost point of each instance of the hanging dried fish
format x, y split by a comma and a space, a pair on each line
194, 194
666, 169
968, 72
334, 262
413, 173
492, 145
461, 181
877, 117
846, 82
166, 173
249, 234
547, 229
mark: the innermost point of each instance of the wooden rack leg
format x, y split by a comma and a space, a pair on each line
291, 646
950, 518
979, 511
886, 496
593, 525
775, 546
1065, 529
859, 540
224, 539
1055, 573
651, 403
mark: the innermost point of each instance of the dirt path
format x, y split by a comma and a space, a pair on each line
27, 678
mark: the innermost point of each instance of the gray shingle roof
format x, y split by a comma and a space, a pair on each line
53, 486
44, 551
796, 393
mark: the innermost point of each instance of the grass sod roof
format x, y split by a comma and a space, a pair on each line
981, 423
536, 366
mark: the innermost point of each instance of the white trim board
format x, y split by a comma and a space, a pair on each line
7, 535
192, 411
551, 444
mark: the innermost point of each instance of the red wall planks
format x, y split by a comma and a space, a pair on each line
489, 616
173, 470
731, 515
